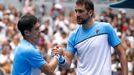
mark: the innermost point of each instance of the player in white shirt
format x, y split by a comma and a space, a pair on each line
91, 42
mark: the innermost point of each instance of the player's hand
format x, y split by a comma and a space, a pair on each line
57, 50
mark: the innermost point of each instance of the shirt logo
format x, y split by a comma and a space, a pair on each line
97, 31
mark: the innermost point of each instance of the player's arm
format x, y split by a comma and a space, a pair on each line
68, 58
49, 68
122, 56
64, 57
115, 42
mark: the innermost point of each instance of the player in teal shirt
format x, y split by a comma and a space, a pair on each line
27, 56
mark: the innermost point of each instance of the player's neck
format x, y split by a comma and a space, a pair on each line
30, 40
88, 24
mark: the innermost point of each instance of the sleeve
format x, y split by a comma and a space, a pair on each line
71, 44
35, 58
113, 39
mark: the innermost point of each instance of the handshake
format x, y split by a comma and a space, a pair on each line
58, 53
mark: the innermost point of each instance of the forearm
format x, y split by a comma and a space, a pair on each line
47, 71
123, 61
46, 68
67, 63
53, 64
64, 62
49, 68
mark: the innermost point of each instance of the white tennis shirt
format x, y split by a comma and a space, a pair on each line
93, 48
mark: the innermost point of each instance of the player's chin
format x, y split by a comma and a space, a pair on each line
79, 22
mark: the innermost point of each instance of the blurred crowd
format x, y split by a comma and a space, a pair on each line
55, 28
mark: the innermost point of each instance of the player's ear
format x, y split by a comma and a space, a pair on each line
27, 33
90, 12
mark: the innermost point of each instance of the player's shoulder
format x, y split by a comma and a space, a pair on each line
74, 33
104, 24
25, 47
75, 30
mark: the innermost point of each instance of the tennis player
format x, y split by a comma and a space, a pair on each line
91, 42
27, 56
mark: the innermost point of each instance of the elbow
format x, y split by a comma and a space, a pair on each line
47, 70
51, 68
121, 50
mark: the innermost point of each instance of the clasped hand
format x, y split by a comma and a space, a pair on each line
57, 50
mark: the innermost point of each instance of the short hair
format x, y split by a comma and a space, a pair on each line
88, 4
26, 22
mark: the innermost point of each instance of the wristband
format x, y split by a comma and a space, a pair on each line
61, 59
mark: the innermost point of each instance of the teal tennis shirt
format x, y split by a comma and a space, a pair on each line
27, 56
